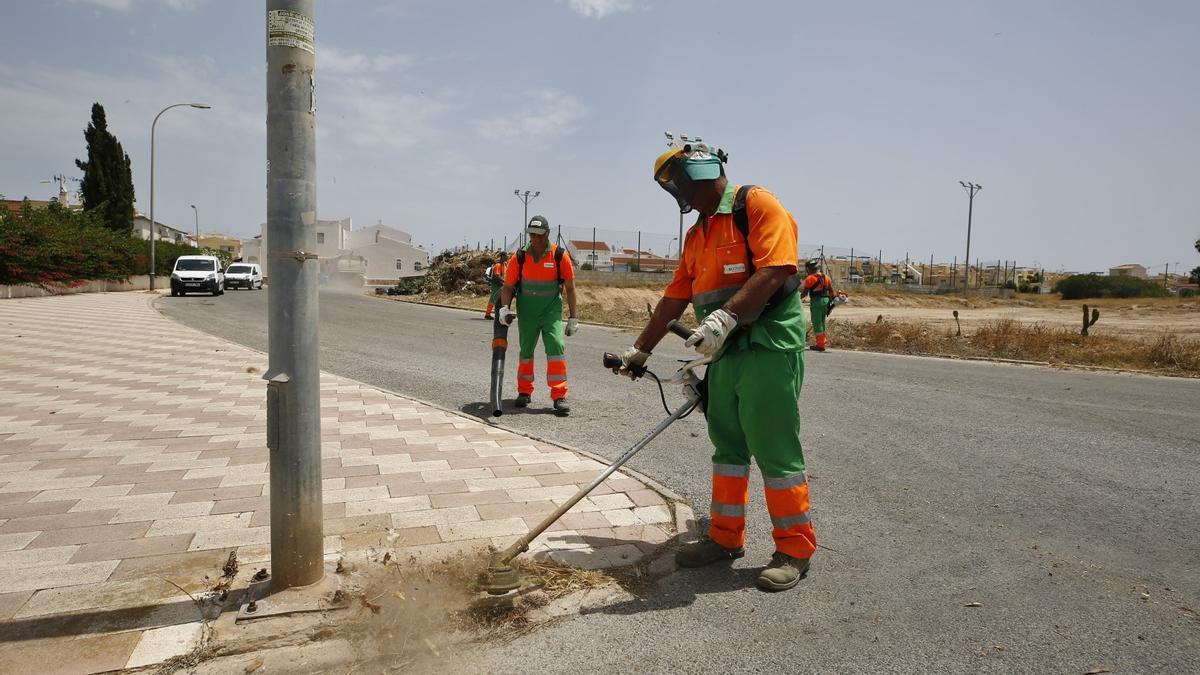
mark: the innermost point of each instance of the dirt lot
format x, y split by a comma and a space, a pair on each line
1140, 318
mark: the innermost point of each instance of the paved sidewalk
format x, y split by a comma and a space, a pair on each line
132, 451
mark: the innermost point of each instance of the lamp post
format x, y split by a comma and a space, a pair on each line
197, 212
201, 106
525, 197
673, 240
971, 189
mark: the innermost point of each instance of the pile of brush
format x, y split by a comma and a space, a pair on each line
460, 272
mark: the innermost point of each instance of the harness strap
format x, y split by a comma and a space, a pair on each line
742, 222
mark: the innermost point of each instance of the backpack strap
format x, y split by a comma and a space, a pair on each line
520, 268
741, 220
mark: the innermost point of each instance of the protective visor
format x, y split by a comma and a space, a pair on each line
669, 177
677, 175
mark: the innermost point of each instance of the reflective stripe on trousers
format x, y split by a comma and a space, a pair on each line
556, 376
787, 502
730, 492
525, 376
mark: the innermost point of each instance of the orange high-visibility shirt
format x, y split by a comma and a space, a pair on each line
541, 269
714, 256
817, 284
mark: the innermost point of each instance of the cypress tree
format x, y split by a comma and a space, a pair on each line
107, 184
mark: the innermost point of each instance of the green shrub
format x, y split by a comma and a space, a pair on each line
57, 246
1080, 286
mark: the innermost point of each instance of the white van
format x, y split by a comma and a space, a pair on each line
197, 274
243, 275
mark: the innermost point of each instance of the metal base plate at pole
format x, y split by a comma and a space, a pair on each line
260, 603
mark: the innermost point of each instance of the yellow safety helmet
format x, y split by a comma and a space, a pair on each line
661, 164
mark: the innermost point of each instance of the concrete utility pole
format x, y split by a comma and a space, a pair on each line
293, 374
525, 197
971, 189
153, 224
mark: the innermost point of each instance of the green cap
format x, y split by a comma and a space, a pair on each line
538, 225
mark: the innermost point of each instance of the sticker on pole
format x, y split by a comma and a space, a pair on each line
286, 28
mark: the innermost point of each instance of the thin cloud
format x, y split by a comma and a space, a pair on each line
544, 114
598, 9
126, 5
332, 59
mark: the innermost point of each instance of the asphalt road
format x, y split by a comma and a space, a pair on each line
1065, 503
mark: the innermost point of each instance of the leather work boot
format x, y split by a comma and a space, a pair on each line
782, 573
561, 407
706, 552
522, 400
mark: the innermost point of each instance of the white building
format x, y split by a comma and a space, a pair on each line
377, 255
141, 229
597, 254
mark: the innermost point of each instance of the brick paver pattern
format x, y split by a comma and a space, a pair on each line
131, 446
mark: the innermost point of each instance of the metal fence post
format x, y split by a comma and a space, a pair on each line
293, 374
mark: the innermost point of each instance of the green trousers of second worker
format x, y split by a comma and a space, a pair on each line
753, 411
818, 308
550, 329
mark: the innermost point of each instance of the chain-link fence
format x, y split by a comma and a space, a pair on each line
632, 251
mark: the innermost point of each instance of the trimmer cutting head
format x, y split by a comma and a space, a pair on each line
500, 578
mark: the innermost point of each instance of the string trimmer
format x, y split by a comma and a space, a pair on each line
501, 577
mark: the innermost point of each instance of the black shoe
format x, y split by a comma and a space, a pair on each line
561, 407
522, 400
705, 552
817, 349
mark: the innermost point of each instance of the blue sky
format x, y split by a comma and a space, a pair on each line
1077, 117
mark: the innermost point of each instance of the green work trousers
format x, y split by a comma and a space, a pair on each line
818, 308
537, 317
753, 409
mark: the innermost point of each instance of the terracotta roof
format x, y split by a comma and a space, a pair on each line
587, 245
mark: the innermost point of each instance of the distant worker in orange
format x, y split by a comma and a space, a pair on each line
538, 276
495, 277
819, 289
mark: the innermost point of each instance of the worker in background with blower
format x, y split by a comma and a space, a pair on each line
819, 289
495, 277
537, 275
742, 287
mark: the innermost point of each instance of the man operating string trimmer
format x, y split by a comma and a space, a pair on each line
738, 270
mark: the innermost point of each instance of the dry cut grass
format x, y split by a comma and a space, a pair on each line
1170, 354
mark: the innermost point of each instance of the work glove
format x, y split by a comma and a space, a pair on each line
506, 316
572, 325
633, 362
712, 332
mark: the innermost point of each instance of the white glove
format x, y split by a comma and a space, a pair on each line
572, 325
633, 358
712, 332
506, 317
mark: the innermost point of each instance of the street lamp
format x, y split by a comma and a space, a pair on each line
673, 240
202, 106
971, 189
197, 211
525, 197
